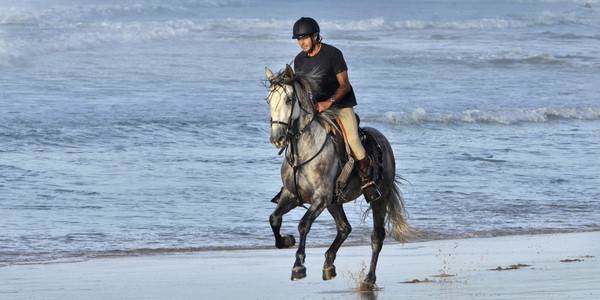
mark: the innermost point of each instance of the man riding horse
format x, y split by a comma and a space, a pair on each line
314, 172
326, 64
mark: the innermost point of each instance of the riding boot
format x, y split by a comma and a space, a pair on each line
365, 172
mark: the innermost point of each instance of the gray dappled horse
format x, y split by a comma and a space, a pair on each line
311, 167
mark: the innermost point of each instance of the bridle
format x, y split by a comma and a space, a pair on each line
293, 137
288, 125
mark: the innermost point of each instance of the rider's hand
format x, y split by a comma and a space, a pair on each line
323, 105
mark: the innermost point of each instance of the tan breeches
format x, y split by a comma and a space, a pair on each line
348, 119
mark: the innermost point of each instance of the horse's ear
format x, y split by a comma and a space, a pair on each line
289, 73
269, 74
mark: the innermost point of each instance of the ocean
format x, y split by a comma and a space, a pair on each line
140, 127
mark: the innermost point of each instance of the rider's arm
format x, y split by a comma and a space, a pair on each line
344, 88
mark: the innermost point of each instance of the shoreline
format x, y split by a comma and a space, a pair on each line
543, 266
77, 258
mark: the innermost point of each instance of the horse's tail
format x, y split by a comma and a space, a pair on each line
392, 202
396, 216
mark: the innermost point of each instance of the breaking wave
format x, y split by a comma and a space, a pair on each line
27, 32
502, 117
541, 19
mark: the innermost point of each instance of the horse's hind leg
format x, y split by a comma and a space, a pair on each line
316, 208
343, 230
283, 207
377, 237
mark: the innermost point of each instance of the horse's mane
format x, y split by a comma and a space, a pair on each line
305, 86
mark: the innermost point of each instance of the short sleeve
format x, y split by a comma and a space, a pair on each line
338, 62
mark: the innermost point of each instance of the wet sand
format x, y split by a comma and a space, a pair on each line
549, 266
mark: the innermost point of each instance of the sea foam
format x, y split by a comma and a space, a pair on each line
502, 117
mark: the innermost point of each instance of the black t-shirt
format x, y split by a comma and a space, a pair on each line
328, 62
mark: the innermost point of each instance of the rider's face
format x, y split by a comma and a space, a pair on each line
306, 43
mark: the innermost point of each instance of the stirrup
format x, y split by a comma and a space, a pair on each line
371, 191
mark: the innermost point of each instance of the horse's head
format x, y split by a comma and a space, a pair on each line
283, 103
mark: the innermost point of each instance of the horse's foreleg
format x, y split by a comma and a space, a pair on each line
276, 218
377, 237
343, 230
299, 270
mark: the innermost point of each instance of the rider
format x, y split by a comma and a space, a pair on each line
327, 63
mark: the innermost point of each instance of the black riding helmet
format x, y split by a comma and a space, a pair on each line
305, 27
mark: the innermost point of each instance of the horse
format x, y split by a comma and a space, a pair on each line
310, 169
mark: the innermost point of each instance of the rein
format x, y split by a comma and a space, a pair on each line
293, 138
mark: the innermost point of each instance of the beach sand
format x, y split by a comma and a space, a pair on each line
546, 266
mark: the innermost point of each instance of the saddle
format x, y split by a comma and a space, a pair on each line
372, 149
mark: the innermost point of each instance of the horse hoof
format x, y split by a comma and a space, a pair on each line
298, 273
329, 273
287, 241
367, 286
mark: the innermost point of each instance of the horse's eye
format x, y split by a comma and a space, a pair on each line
289, 98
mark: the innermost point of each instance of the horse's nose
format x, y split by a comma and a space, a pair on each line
278, 140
